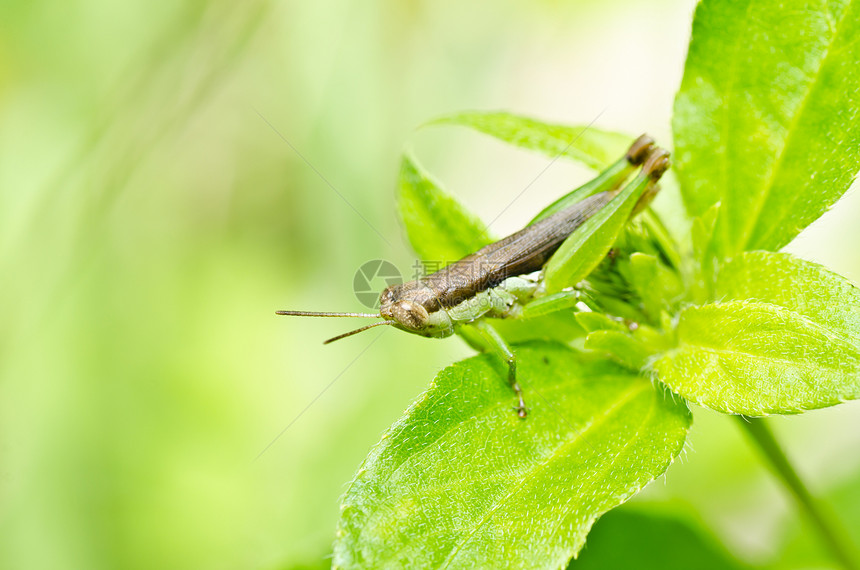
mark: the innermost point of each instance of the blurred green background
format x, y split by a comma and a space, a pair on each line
153, 215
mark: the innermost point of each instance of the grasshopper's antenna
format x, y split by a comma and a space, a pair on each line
358, 330
325, 314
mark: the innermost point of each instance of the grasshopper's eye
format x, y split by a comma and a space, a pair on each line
410, 315
387, 295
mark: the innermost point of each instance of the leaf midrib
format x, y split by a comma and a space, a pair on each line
629, 394
768, 187
801, 318
561, 384
604, 469
635, 436
803, 364
580, 433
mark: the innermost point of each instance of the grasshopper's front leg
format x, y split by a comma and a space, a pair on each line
497, 344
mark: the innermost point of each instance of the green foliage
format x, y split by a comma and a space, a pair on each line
625, 538
156, 203
639, 280
766, 128
800, 286
752, 358
766, 121
786, 338
622, 346
461, 482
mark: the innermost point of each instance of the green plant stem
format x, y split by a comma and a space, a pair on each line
832, 534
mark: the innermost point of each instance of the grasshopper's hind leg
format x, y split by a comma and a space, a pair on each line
497, 344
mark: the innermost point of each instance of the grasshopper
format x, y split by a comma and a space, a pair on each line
501, 280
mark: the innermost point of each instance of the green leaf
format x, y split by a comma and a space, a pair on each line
560, 326
439, 228
586, 247
702, 233
589, 145
625, 538
806, 288
461, 482
767, 120
785, 338
755, 358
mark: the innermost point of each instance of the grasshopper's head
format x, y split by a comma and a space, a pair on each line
413, 308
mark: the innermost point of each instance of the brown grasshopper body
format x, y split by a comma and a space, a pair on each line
435, 305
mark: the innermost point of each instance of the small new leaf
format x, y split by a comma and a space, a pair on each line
658, 287
621, 346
